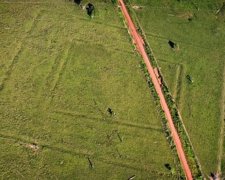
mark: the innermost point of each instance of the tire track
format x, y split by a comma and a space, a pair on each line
179, 79
11, 66
87, 20
19, 50
55, 73
61, 68
34, 22
21, 141
178, 41
113, 48
128, 166
103, 120
179, 82
222, 132
85, 154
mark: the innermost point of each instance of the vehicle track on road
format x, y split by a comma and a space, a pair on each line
139, 43
222, 131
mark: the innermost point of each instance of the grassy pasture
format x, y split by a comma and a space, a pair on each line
200, 36
59, 72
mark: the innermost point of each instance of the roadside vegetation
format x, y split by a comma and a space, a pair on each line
192, 68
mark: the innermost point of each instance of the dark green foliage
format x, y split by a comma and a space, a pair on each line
114, 1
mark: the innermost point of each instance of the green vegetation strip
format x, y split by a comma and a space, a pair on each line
192, 160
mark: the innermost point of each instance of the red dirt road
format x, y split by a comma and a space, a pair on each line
139, 43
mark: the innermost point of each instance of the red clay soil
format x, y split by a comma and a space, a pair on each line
139, 43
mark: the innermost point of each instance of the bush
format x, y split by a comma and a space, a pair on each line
114, 1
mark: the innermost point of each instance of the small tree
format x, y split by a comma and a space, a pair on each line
114, 1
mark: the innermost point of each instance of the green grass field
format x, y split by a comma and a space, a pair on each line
59, 72
200, 36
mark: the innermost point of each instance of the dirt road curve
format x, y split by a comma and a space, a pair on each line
139, 43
